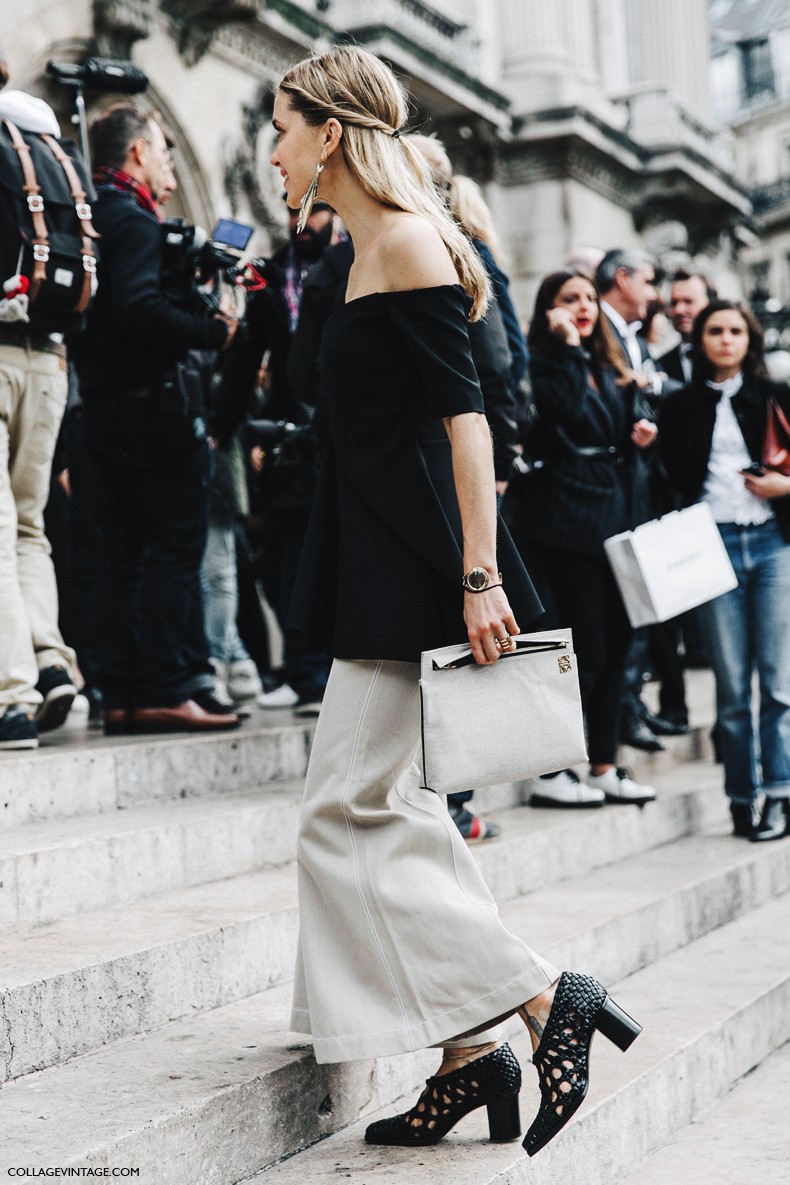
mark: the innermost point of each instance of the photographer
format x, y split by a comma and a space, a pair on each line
148, 445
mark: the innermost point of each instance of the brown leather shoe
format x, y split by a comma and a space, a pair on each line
117, 722
186, 717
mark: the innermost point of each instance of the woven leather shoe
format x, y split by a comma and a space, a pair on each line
491, 1081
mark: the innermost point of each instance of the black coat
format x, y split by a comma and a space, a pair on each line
134, 334
381, 569
574, 501
688, 418
671, 365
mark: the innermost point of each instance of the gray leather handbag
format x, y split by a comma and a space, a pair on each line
519, 717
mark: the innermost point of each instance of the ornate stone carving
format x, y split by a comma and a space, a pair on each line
119, 23
247, 174
198, 22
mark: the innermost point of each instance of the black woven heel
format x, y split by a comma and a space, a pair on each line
621, 1029
504, 1120
580, 1006
492, 1081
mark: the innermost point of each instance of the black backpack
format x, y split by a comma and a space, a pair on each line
45, 225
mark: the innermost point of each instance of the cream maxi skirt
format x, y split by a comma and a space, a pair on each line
401, 945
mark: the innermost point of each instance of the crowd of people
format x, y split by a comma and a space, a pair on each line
334, 446
177, 487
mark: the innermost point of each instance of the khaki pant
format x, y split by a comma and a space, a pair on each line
401, 945
33, 391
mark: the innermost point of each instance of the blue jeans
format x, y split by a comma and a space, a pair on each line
221, 593
748, 629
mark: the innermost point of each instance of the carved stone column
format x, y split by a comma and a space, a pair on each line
669, 43
550, 53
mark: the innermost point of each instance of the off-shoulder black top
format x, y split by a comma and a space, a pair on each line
381, 569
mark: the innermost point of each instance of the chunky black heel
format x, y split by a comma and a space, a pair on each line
620, 1028
580, 1006
504, 1120
491, 1081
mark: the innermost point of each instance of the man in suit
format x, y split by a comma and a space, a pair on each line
689, 294
626, 279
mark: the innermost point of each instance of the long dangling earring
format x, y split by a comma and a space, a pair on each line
306, 204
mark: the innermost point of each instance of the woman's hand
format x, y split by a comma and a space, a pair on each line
488, 616
770, 485
562, 324
643, 433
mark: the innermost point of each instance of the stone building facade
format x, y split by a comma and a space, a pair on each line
751, 92
587, 121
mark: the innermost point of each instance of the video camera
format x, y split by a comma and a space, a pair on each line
193, 263
278, 435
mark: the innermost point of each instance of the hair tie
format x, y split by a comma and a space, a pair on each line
396, 134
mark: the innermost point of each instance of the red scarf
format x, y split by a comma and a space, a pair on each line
117, 179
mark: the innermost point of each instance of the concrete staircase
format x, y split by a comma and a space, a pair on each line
147, 935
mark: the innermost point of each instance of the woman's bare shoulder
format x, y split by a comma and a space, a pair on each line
412, 254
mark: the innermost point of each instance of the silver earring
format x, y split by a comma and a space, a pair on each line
306, 204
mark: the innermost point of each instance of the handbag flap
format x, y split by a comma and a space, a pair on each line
776, 447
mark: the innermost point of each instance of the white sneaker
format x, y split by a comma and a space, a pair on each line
220, 668
619, 786
565, 789
282, 697
243, 680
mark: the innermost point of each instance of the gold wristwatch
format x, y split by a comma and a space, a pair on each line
478, 580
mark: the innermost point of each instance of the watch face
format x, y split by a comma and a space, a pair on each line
477, 578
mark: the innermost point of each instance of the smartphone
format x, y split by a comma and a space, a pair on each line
754, 470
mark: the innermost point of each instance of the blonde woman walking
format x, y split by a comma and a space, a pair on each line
404, 554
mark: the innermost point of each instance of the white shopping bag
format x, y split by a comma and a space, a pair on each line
670, 564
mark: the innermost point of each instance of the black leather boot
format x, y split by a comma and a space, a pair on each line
774, 821
744, 819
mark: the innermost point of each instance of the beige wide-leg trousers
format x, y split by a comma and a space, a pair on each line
401, 945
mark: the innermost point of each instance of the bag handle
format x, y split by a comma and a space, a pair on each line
83, 212
35, 204
521, 647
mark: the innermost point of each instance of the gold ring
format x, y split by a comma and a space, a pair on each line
504, 643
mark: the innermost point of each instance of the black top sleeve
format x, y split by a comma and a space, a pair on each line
429, 317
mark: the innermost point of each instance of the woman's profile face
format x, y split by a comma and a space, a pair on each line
297, 150
725, 339
579, 297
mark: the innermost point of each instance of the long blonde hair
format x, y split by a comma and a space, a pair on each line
357, 89
470, 209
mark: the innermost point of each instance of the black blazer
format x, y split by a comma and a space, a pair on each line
671, 364
618, 337
575, 501
686, 427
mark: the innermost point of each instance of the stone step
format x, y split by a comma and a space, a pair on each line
710, 1016
195, 948
80, 773
215, 1098
61, 867
740, 1139
57, 867
83, 983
